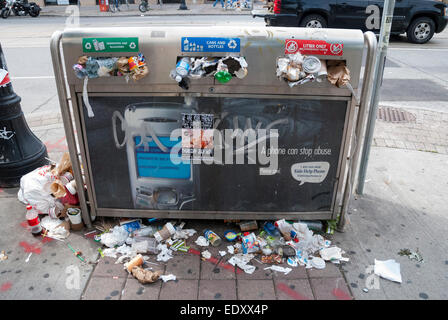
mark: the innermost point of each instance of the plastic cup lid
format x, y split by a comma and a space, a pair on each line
318, 263
311, 64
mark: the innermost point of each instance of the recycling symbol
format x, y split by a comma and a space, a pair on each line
88, 46
232, 44
132, 45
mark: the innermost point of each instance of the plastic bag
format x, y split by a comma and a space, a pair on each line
35, 191
115, 238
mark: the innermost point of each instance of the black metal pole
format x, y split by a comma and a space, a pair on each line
183, 5
20, 150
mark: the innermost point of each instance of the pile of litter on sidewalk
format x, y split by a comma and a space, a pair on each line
51, 191
131, 242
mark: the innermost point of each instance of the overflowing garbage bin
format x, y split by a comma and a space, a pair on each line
209, 123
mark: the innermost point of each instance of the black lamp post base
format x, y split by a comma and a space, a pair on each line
183, 6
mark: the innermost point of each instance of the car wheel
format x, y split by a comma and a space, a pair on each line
421, 30
313, 21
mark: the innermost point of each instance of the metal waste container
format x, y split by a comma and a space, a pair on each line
250, 148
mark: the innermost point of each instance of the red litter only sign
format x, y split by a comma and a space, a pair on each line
4, 78
316, 47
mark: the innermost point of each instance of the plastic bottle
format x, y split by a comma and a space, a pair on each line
249, 225
32, 216
287, 230
175, 76
183, 67
148, 231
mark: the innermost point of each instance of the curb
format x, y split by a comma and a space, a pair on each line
153, 15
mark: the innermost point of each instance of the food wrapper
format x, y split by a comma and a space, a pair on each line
338, 73
82, 60
63, 166
296, 59
122, 65
293, 73
240, 74
282, 66
145, 276
140, 73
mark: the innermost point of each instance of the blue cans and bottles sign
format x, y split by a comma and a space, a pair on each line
210, 44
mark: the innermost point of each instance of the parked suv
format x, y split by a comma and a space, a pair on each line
419, 19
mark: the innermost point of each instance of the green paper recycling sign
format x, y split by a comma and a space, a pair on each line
110, 44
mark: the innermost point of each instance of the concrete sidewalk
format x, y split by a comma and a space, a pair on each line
404, 207
171, 9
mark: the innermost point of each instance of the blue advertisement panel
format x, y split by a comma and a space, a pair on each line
206, 44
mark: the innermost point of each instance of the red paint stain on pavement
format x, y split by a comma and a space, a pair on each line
6, 286
30, 247
215, 261
47, 239
293, 294
24, 224
341, 295
57, 145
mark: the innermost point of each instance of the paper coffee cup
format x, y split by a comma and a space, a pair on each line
74, 214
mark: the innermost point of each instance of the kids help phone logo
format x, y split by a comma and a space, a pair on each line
317, 47
4, 78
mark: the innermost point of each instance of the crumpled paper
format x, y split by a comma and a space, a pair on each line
279, 269
388, 269
241, 260
206, 254
202, 241
332, 253
337, 73
168, 277
165, 253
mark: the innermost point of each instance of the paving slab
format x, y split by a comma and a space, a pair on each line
331, 271
184, 266
295, 273
217, 290
107, 267
259, 273
293, 289
256, 290
222, 272
134, 290
179, 290
104, 288
330, 289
